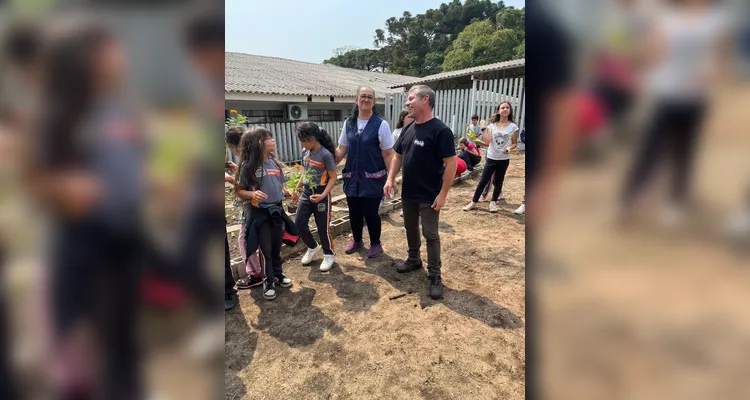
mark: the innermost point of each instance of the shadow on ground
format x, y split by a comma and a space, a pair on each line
463, 302
291, 318
241, 340
357, 296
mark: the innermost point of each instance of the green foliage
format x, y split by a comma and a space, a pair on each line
235, 119
481, 43
425, 44
299, 173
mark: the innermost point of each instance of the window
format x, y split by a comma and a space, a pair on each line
324, 115
263, 116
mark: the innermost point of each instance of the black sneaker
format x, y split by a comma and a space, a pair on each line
269, 290
249, 281
230, 301
283, 281
409, 266
436, 287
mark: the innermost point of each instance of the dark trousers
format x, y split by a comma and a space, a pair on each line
470, 159
365, 209
270, 239
497, 167
228, 278
202, 224
95, 278
322, 214
413, 213
672, 136
7, 376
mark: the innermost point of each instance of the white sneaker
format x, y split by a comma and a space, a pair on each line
470, 206
493, 207
521, 210
269, 290
310, 254
208, 340
502, 196
327, 263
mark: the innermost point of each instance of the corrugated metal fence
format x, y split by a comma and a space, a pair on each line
455, 107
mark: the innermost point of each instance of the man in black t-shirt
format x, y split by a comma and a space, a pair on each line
425, 151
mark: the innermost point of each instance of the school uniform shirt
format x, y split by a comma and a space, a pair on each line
272, 184
422, 148
317, 164
501, 139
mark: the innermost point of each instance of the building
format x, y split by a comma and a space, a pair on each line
465, 78
270, 90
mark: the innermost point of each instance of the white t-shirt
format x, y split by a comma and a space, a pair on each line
501, 139
689, 54
384, 134
396, 134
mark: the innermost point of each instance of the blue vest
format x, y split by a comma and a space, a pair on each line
365, 172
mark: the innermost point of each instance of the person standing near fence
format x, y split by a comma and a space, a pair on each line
691, 54
500, 141
426, 152
367, 144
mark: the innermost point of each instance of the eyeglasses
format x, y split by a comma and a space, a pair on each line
269, 139
366, 97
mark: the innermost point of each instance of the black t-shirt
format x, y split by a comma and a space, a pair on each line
549, 68
422, 148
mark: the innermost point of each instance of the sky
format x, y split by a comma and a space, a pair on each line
308, 30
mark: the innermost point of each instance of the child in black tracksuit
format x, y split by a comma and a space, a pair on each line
314, 192
262, 183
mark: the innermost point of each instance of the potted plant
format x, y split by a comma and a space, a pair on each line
293, 181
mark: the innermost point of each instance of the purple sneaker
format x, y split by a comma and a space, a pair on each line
375, 251
352, 246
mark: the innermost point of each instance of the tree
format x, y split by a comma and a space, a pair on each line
511, 18
340, 51
428, 43
480, 43
367, 59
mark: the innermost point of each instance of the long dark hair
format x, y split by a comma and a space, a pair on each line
355, 112
252, 147
309, 130
400, 123
69, 79
496, 116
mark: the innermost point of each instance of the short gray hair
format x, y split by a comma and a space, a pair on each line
365, 87
424, 90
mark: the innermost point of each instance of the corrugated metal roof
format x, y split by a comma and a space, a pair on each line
248, 73
465, 72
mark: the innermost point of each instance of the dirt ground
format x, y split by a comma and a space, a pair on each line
338, 335
647, 312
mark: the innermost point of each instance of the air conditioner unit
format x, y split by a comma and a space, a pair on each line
297, 111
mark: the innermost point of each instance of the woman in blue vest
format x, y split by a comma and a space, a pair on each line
367, 144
